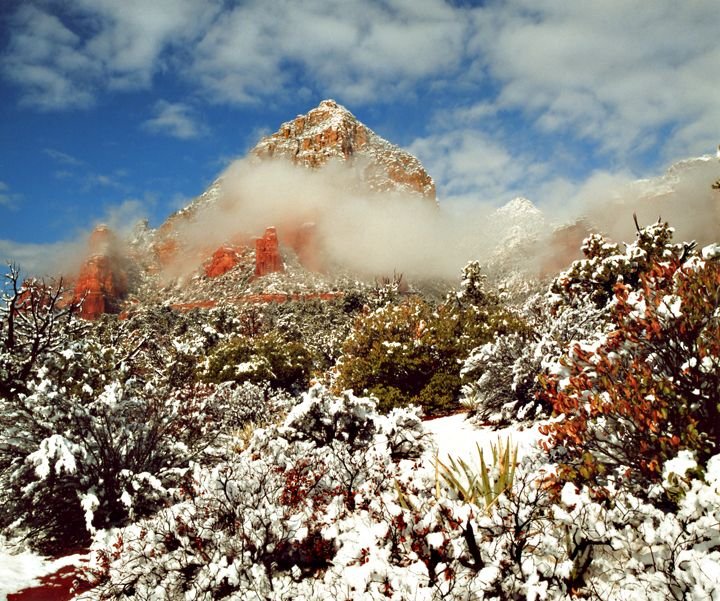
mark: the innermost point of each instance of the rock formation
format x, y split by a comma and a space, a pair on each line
267, 254
330, 131
102, 281
223, 260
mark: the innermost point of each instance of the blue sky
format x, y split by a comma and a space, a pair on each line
118, 110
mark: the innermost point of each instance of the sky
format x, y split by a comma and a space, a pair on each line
114, 111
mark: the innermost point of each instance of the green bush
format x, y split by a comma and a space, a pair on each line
411, 352
268, 358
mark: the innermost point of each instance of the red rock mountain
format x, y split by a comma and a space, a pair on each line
327, 133
101, 284
330, 131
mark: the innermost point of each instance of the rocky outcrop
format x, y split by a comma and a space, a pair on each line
102, 281
330, 131
223, 260
267, 254
304, 242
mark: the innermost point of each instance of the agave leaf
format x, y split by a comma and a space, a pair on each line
450, 477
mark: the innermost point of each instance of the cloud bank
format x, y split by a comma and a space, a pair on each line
378, 233
625, 76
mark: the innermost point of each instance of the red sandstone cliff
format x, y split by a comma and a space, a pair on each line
327, 132
102, 282
267, 254
330, 131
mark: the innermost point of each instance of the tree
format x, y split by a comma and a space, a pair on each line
411, 352
35, 318
649, 387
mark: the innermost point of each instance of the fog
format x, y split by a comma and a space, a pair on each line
371, 233
376, 233
683, 197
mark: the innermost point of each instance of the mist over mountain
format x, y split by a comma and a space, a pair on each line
343, 199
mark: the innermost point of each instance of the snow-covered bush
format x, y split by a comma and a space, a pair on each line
87, 447
606, 264
248, 403
501, 375
340, 502
289, 507
502, 378
33, 326
267, 358
92, 434
651, 386
410, 352
321, 325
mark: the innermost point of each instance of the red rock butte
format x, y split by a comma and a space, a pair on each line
326, 133
102, 282
267, 254
330, 131
223, 260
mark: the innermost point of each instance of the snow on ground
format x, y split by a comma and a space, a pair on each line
23, 570
456, 436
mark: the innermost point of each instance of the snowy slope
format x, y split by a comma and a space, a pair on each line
24, 570
457, 437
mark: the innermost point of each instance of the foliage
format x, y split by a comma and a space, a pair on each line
321, 325
501, 379
651, 386
321, 507
410, 352
267, 358
92, 434
269, 518
91, 447
34, 318
606, 264
479, 484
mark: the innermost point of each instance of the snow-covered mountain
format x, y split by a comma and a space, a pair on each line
185, 245
209, 249
331, 132
519, 220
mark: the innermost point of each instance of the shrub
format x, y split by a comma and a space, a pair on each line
87, 447
267, 523
410, 352
606, 264
648, 388
268, 358
501, 384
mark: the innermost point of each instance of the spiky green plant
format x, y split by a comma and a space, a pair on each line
477, 484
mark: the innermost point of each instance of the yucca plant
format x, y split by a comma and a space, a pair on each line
482, 486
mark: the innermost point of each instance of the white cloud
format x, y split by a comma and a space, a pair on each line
62, 157
625, 76
174, 119
360, 52
123, 217
353, 50
123, 45
99, 180
470, 163
45, 59
7, 198
41, 260
615, 72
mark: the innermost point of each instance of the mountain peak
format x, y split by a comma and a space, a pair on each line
329, 103
331, 132
519, 206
